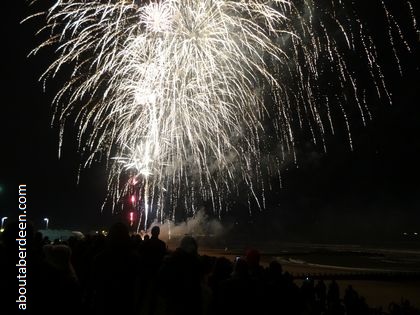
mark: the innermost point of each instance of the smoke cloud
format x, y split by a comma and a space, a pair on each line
200, 226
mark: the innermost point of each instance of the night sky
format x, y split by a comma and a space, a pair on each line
372, 192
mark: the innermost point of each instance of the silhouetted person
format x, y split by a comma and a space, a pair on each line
307, 291
154, 251
222, 270
291, 295
276, 288
239, 294
115, 275
333, 299
207, 264
255, 270
321, 294
275, 271
351, 301
333, 293
61, 290
136, 242
180, 281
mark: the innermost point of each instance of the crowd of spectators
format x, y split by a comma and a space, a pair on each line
125, 274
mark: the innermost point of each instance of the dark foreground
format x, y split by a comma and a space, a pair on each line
376, 284
123, 274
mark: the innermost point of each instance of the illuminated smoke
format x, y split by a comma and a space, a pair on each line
187, 99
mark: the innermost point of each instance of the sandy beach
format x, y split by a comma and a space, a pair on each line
378, 293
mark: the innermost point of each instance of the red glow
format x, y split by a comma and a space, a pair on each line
133, 199
131, 216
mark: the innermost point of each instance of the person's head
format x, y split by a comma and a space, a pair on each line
275, 268
240, 268
189, 245
253, 257
155, 231
118, 234
223, 266
58, 255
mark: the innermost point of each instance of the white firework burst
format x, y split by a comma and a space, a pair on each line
174, 92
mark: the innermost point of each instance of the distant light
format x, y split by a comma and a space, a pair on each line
405, 233
133, 199
131, 216
415, 233
1, 230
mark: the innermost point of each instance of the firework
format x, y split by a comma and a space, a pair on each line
188, 98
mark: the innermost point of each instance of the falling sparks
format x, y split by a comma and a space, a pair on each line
186, 99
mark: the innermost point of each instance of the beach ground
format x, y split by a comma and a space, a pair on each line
377, 293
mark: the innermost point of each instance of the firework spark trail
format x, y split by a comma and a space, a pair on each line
174, 93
